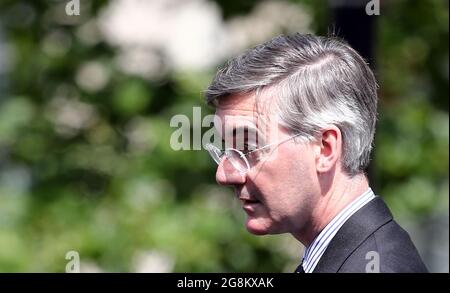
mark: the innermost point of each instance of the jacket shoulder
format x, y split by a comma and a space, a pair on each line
390, 248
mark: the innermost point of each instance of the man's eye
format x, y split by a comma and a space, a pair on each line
248, 148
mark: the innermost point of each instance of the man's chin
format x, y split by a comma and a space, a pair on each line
257, 227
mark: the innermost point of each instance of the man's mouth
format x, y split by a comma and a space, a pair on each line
250, 205
247, 201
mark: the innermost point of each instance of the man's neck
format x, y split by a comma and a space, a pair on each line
335, 199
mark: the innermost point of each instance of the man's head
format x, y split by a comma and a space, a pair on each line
316, 87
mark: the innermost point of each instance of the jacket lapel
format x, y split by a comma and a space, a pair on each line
356, 229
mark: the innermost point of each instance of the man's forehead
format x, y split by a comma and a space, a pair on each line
246, 104
242, 111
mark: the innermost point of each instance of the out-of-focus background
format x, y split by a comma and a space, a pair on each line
85, 106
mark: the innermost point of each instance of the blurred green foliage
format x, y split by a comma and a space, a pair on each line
94, 172
411, 147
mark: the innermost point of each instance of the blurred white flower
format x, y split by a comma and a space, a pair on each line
92, 76
142, 62
69, 115
153, 262
196, 36
140, 135
135, 22
189, 35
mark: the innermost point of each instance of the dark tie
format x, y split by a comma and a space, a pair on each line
300, 269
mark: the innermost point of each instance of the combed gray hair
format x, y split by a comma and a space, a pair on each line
318, 81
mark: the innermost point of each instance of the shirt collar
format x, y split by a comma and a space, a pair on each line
315, 250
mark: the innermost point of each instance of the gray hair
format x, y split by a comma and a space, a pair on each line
318, 81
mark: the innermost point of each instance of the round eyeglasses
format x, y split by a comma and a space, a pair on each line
241, 161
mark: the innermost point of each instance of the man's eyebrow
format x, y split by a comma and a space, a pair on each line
242, 129
242, 134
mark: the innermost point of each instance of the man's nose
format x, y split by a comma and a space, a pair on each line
226, 174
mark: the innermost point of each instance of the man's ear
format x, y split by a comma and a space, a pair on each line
329, 149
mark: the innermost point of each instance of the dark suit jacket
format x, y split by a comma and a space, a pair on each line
371, 228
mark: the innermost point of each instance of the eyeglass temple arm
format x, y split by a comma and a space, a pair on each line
274, 143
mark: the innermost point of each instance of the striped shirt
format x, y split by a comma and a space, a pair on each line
314, 252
